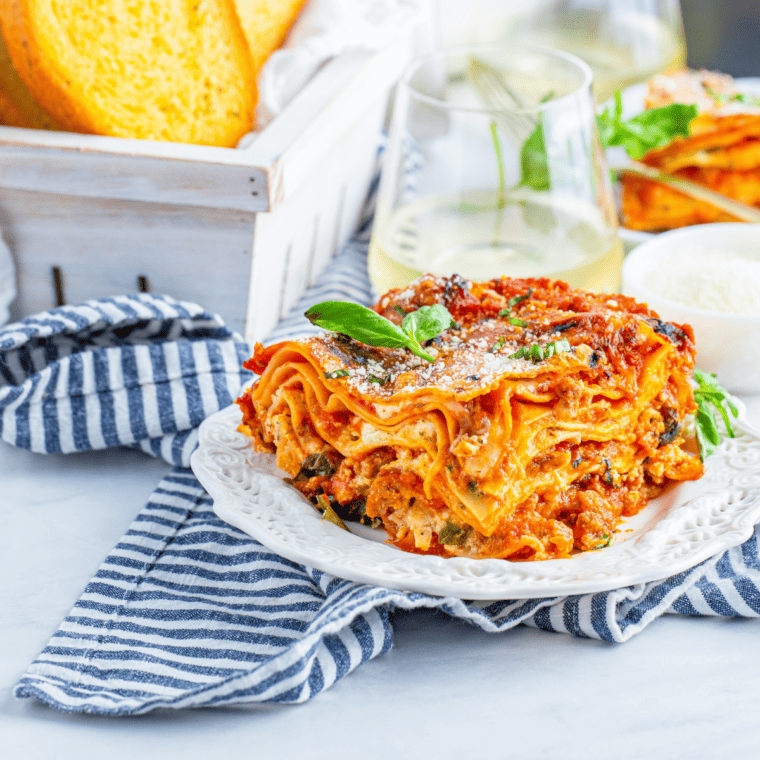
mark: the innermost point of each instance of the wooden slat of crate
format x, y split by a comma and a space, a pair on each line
102, 246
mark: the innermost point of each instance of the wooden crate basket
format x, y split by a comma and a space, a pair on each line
241, 231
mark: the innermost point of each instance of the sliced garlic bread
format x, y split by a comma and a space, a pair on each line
177, 70
266, 24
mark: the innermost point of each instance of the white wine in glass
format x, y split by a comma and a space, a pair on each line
474, 186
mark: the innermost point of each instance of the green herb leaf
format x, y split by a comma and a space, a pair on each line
427, 322
650, 129
452, 534
644, 132
606, 541
534, 163
511, 304
357, 322
336, 373
499, 344
328, 513
519, 299
367, 326
711, 398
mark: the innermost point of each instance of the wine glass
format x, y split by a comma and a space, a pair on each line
494, 168
624, 41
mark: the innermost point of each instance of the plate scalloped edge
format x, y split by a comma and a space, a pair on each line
688, 525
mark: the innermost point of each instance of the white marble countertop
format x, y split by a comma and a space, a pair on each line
682, 688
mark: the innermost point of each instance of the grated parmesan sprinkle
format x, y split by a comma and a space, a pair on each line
712, 280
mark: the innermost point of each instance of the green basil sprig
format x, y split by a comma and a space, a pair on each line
648, 130
367, 326
711, 398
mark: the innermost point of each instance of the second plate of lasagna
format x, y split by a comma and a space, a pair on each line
512, 439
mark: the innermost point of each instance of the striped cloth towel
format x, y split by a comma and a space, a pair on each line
188, 611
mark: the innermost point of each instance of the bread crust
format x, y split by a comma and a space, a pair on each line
18, 108
266, 24
70, 99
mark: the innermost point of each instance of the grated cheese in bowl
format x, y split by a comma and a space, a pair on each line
714, 280
706, 276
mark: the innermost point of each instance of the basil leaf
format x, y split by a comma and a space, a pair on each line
711, 397
648, 130
367, 326
534, 163
358, 322
427, 322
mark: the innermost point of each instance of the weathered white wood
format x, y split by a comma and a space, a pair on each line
103, 246
312, 121
296, 241
133, 178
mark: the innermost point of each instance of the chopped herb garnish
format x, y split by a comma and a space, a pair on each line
537, 353
498, 345
336, 373
452, 534
315, 465
367, 326
609, 473
514, 301
606, 541
672, 428
711, 398
378, 380
511, 304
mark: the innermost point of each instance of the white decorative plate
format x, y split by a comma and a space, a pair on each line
686, 525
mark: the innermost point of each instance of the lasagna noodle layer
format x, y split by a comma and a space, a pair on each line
481, 454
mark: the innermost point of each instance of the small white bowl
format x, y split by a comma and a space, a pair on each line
728, 344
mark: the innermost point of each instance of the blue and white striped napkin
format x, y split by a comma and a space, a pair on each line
188, 611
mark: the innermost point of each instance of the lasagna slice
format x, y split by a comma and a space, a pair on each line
721, 152
547, 415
